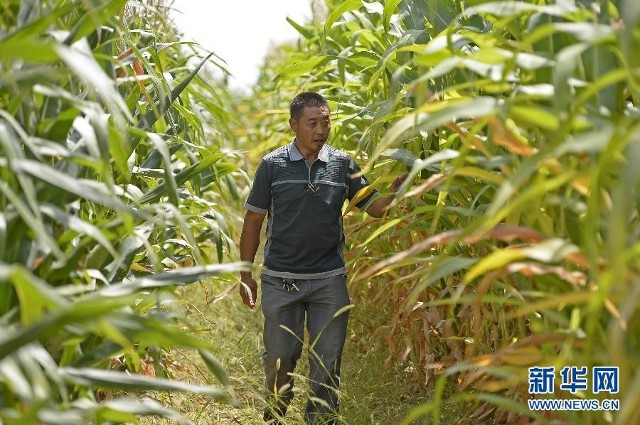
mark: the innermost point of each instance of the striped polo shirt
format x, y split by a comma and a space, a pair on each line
303, 200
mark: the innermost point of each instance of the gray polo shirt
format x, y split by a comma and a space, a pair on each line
304, 203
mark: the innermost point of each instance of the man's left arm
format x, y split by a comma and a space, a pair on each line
379, 206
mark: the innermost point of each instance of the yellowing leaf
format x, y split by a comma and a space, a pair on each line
536, 117
494, 261
504, 136
522, 356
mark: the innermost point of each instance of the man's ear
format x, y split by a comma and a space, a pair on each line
293, 123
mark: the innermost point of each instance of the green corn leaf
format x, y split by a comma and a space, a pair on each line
442, 267
390, 7
130, 246
93, 18
510, 8
302, 67
402, 155
123, 381
181, 178
152, 331
386, 226
169, 180
509, 405
214, 366
30, 219
34, 28
566, 62
630, 10
414, 123
344, 6
152, 116
154, 158
595, 141
79, 59
304, 31
29, 50
200, 255
134, 406
177, 277
58, 417
118, 148
494, 261
421, 164
18, 383
90, 310
535, 116
587, 32
35, 293
3, 236
87, 189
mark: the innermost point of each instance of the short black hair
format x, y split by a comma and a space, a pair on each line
306, 99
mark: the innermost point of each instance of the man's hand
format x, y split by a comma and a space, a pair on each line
381, 205
249, 241
248, 290
397, 182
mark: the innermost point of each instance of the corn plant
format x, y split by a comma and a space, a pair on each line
112, 192
514, 241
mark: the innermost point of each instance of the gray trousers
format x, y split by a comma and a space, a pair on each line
285, 305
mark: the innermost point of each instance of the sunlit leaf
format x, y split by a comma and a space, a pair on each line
29, 50
414, 123
88, 189
3, 234
144, 407
80, 61
305, 32
93, 18
112, 379
182, 177
302, 67
421, 164
344, 6
538, 117
390, 7
567, 60
386, 226
174, 278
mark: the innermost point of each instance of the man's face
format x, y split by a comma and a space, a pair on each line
312, 128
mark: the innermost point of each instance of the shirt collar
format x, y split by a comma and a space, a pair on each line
295, 155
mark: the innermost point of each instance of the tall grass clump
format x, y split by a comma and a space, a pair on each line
113, 181
514, 241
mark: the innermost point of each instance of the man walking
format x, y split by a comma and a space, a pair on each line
301, 187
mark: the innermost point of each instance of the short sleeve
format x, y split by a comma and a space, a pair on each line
259, 199
356, 183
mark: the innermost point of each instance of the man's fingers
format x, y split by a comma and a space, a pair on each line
248, 300
248, 294
397, 182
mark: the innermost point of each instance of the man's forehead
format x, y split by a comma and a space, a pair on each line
316, 112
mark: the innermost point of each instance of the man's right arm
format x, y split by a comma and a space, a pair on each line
249, 242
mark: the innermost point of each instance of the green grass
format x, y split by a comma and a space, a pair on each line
372, 391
